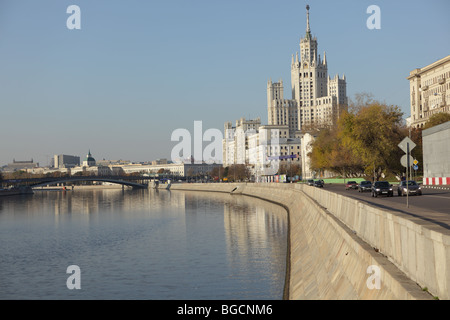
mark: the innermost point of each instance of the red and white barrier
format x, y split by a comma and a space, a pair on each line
436, 181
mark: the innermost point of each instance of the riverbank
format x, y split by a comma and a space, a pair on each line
16, 191
359, 253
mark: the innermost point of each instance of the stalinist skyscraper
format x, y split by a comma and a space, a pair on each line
317, 99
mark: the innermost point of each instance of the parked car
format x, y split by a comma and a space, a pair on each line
412, 188
318, 183
365, 186
351, 185
310, 182
382, 188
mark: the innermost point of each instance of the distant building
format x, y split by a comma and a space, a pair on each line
89, 161
20, 165
65, 161
317, 101
159, 161
112, 162
306, 147
235, 144
429, 89
177, 169
263, 149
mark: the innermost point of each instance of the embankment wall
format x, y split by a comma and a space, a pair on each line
340, 248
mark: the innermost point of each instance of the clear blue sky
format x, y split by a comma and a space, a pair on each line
138, 70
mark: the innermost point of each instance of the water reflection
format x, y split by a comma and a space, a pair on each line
142, 244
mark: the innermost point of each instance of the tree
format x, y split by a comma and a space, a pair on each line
217, 173
437, 118
363, 141
373, 135
290, 169
238, 172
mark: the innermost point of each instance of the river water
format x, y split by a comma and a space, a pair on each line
141, 244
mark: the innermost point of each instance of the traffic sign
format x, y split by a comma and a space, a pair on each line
403, 145
415, 167
416, 162
404, 160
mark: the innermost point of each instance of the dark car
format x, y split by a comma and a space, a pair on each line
412, 188
351, 185
310, 182
365, 186
318, 183
380, 188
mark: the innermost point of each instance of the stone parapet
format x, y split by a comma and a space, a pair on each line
336, 246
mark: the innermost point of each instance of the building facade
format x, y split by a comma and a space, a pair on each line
89, 161
65, 161
20, 166
429, 91
317, 99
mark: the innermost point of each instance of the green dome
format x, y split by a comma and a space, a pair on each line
90, 159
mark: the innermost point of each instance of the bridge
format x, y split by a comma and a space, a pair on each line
137, 182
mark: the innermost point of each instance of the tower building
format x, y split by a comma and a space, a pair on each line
317, 99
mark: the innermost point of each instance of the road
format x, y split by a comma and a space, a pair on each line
432, 206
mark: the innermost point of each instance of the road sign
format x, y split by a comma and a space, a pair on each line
404, 160
415, 167
416, 162
403, 145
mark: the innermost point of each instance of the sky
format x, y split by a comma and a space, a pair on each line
138, 70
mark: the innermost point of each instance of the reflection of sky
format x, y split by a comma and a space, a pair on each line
142, 244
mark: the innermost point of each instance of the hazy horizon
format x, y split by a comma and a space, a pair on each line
136, 71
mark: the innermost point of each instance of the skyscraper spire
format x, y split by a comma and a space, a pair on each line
308, 30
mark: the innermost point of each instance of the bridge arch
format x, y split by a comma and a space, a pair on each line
82, 179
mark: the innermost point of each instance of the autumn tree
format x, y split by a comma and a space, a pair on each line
238, 172
290, 169
364, 141
436, 119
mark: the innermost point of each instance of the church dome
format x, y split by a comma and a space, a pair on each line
89, 157
89, 161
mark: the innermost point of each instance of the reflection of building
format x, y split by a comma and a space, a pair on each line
429, 91
65, 161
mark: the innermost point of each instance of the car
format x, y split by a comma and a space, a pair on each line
351, 185
410, 189
310, 182
318, 183
380, 188
365, 186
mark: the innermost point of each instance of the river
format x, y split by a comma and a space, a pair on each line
141, 244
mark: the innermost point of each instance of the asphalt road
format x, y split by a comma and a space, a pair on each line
432, 206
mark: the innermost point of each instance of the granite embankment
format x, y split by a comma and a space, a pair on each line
341, 248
